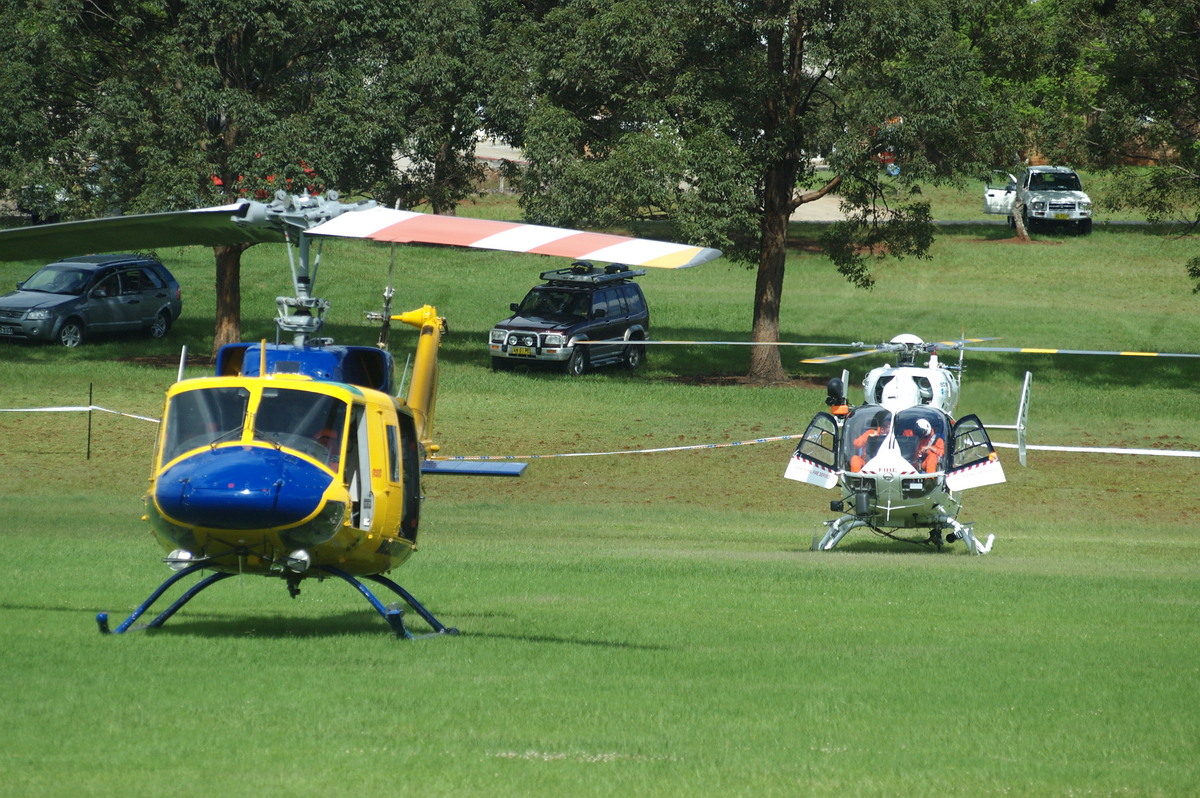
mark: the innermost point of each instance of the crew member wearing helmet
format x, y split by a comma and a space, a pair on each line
930, 448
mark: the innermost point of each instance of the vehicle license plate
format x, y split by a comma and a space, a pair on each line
1062, 216
4, 330
520, 350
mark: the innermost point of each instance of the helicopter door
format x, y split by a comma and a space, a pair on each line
358, 471
815, 458
974, 462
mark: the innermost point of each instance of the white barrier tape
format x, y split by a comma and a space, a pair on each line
75, 409
484, 457
1103, 450
622, 451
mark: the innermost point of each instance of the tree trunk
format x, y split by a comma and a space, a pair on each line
229, 295
1018, 211
766, 363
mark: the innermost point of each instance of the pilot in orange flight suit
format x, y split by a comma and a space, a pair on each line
858, 459
930, 448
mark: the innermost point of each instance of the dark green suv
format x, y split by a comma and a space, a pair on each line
581, 303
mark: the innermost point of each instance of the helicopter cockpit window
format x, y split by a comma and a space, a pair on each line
921, 433
312, 423
865, 430
203, 417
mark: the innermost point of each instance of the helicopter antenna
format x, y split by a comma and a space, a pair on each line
388, 292
404, 374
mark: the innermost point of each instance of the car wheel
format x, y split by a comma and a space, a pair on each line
634, 356
72, 333
578, 364
162, 323
501, 364
1085, 227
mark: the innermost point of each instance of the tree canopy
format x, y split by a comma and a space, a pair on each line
141, 106
723, 116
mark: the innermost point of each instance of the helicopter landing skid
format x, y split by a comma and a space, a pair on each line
966, 534
393, 615
839, 528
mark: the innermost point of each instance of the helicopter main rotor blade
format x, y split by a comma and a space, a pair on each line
723, 343
1037, 351
205, 226
408, 227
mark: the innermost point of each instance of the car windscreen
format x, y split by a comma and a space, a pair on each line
554, 303
58, 279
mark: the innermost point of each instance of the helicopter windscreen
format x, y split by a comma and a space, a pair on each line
202, 417
312, 423
865, 430
920, 433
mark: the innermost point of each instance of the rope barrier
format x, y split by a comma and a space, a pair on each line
620, 451
75, 409
695, 447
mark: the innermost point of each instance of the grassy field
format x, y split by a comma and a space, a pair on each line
644, 624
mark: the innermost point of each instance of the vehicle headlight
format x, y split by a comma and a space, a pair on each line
498, 336
554, 339
1039, 205
1085, 206
522, 339
38, 315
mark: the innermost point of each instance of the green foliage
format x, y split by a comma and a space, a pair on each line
1139, 97
145, 107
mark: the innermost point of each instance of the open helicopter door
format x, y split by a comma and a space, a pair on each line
1022, 419
974, 459
358, 471
815, 458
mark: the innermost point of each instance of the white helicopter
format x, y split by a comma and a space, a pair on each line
901, 459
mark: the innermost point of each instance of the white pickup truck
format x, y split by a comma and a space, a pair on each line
1051, 195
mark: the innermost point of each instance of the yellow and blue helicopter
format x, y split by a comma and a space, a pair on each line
296, 460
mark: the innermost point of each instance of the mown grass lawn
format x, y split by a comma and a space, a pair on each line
644, 624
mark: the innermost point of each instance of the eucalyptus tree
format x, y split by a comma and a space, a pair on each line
146, 106
728, 115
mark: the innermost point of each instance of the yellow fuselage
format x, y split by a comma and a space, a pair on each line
259, 474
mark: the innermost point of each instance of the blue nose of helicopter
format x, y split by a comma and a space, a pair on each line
241, 487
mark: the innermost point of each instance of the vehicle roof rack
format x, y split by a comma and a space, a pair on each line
583, 272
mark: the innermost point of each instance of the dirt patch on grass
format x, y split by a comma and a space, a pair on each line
1015, 240
167, 361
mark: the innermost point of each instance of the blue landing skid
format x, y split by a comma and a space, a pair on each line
393, 615
473, 468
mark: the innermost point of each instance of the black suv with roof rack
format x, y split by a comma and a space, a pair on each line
580, 303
